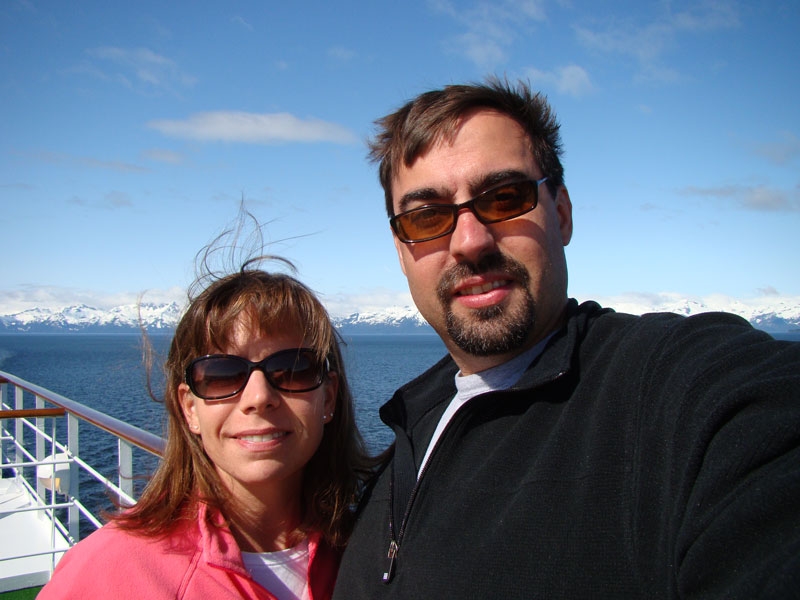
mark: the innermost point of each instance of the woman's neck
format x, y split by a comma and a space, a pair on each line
265, 520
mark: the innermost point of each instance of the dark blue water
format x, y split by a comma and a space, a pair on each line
105, 372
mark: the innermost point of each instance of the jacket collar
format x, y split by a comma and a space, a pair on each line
429, 393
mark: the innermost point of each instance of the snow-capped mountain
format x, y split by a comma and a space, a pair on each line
779, 315
87, 319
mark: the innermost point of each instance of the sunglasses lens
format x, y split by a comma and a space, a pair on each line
430, 221
506, 202
218, 377
294, 370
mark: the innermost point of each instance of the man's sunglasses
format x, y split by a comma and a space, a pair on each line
492, 206
220, 376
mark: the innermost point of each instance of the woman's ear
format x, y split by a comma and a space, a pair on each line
331, 388
188, 403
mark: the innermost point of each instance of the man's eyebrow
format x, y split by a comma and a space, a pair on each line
496, 178
420, 195
481, 184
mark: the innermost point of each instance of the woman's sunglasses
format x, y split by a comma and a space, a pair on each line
220, 376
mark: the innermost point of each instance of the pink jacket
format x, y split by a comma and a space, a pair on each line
198, 561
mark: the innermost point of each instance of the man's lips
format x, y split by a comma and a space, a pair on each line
474, 289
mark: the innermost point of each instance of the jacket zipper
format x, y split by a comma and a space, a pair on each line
394, 541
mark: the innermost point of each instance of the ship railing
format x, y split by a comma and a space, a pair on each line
32, 446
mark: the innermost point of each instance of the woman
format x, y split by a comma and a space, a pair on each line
262, 465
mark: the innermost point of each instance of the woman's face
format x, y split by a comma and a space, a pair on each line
261, 439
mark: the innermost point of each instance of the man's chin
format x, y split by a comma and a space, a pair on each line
487, 332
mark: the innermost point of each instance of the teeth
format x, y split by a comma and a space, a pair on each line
482, 289
263, 438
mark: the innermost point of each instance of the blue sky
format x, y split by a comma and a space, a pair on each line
130, 132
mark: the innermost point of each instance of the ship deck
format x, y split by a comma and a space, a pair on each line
31, 545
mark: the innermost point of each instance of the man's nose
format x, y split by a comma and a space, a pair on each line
471, 239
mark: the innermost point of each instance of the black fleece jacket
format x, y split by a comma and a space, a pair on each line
638, 457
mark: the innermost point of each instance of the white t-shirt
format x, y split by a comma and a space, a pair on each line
500, 377
284, 573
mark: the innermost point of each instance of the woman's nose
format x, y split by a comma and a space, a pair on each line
258, 393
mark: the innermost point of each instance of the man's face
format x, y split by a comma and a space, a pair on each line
490, 291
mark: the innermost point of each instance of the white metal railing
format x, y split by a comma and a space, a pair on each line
57, 465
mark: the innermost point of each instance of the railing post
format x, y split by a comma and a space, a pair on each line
18, 428
73, 514
125, 467
3, 393
41, 490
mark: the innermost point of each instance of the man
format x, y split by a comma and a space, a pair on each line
561, 451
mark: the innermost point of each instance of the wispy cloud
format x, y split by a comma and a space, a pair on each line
489, 27
164, 156
649, 42
757, 198
138, 69
113, 200
571, 80
253, 128
780, 152
117, 199
86, 162
241, 22
341, 53
28, 296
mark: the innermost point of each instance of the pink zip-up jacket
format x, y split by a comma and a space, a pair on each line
201, 560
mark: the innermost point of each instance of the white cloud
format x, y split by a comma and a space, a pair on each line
638, 303
26, 297
56, 298
253, 128
343, 305
490, 27
571, 80
648, 43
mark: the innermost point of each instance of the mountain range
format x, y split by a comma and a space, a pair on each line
774, 316
162, 318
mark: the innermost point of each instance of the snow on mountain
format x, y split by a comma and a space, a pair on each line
394, 319
88, 319
776, 315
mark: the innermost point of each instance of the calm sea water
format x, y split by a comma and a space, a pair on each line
105, 372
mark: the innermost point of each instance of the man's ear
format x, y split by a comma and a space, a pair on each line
564, 211
398, 245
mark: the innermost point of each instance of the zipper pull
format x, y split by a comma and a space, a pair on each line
392, 558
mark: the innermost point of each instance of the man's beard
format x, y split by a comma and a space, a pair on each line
495, 329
